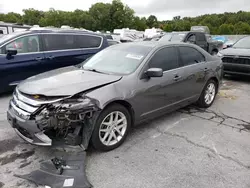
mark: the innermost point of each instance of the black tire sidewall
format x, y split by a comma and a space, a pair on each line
201, 101
95, 140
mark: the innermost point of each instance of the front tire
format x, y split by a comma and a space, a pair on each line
111, 128
208, 94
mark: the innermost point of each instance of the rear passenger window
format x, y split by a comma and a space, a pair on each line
190, 56
88, 41
166, 59
59, 42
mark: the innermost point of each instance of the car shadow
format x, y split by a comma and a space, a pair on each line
6, 94
237, 78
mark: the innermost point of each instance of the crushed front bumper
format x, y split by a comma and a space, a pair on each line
26, 129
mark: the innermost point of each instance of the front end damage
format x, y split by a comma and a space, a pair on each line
40, 119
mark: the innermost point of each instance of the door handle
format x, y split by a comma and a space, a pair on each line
39, 58
177, 77
205, 69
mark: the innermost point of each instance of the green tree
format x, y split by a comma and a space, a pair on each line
116, 15
12, 17
242, 28
82, 19
226, 29
177, 18
32, 16
120, 16
2, 17
100, 12
168, 27
139, 23
152, 21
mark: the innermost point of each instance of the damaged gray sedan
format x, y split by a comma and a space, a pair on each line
123, 85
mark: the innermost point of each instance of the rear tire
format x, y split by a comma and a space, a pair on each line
111, 128
208, 94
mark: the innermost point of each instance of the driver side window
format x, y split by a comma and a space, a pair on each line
191, 38
165, 58
27, 44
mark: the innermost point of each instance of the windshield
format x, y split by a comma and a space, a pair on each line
166, 37
243, 43
121, 59
6, 37
177, 37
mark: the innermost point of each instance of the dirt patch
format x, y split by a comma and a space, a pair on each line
224, 94
11, 158
8, 145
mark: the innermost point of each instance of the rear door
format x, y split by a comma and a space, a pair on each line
24, 64
194, 70
66, 49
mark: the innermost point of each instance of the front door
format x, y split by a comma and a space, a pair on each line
24, 64
157, 95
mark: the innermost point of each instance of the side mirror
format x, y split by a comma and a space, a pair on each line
154, 72
11, 52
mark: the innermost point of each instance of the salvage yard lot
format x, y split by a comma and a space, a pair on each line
188, 148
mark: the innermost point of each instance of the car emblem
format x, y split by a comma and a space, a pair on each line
236, 57
36, 96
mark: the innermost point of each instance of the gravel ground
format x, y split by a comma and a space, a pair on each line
189, 148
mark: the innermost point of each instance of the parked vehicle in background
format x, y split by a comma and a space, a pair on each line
108, 36
154, 38
220, 38
195, 37
7, 28
228, 44
116, 37
113, 42
154, 32
236, 59
121, 86
129, 35
24, 54
200, 28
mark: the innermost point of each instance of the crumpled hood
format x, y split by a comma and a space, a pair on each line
236, 51
64, 82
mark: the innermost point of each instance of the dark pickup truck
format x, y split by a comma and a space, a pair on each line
195, 37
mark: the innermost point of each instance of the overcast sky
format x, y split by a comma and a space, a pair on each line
163, 9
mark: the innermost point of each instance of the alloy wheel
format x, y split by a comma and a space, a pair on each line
210, 93
113, 128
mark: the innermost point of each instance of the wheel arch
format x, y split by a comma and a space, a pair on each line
216, 81
127, 105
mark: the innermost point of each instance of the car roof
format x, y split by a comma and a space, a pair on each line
157, 44
59, 31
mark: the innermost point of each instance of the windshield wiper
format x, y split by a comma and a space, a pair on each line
94, 70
